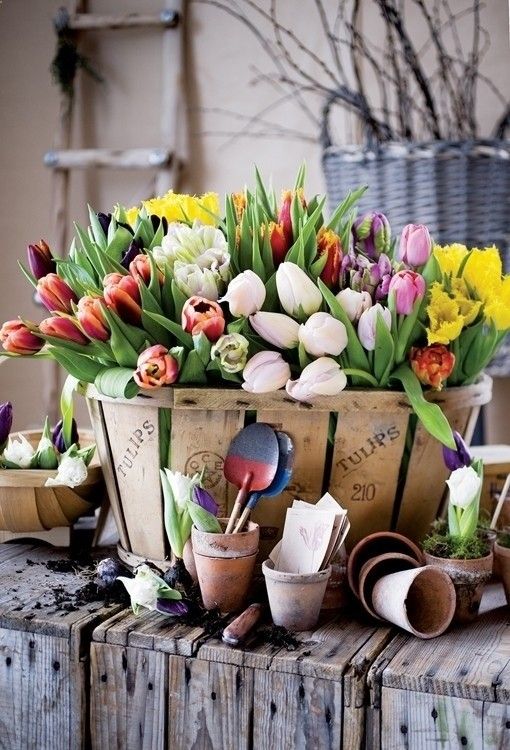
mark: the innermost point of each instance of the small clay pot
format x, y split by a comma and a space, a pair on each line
469, 578
226, 545
421, 600
377, 567
502, 563
224, 582
337, 590
295, 599
374, 545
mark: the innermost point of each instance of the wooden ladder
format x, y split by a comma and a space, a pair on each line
165, 159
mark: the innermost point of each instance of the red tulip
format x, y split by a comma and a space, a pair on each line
432, 364
55, 294
40, 259
278, 242
140, 268
122, 295
156, 367
17, 338
91, 316
285, 214
62, 328
199, 314
329, 243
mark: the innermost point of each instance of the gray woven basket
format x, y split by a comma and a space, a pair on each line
460, 190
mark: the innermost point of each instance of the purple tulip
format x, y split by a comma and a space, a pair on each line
41, 260
415, 245
57, 436
174, 607
456, 459
104, 220
155, 220
372, 234
205, 500
5, 422
407, 287
134, 249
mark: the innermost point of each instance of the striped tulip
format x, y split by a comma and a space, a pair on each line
17, 338
55, 294
62, 328
278, 241
156, 367
328, 243
91, 316
203, 315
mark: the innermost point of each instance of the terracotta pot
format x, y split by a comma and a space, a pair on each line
421, 600
502, 562
469, 578
226, 545
376, 568
337, 589
375, 545
295, 599
224, 582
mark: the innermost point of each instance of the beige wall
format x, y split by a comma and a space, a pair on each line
124, 112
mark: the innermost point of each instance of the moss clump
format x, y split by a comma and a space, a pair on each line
504, 539
456, 547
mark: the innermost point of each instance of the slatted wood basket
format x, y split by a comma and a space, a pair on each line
26, 505
360, 466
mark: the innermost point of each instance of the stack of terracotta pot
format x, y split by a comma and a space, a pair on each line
386, 572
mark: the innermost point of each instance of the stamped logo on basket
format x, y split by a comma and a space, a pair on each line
130, 453
211, 462
372, 445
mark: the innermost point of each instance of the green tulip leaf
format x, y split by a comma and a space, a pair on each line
116, 382
203, 520
182, 336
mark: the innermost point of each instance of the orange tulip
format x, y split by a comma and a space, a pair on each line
156, 367
329, 243
140, 268
55, 294
285, 214
278, 242
17, 338
199, 314
122, 295
433, 364
91, 316
62, 328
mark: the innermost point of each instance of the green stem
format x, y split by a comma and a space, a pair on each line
362, 374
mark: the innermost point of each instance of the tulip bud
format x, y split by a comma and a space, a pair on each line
245, 294
323, 377
203, 315
45, 456
323, 334
298, 294
155, 221
140, 268
55, 294
432, 364
354, 303
464, 485
328, 243
367, 325
456, 459
415, 245
407, 287
278, 242
232, 352
57, 436
156, 367
62, 328
134, 249
105, 221
265, 372
91, 316
18, 339
276, 328
372, 234
239, 201
40, 259
5, 423
18, 453
285, 214
121, 294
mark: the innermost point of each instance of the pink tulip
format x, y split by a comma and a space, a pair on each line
62, 328
367, 325
55, 294
156, 367
415, 245
17, 338
407, 287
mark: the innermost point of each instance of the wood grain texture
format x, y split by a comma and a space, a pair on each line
128, 698
210, 705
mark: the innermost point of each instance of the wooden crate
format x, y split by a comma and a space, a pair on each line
360, 467
449, 692
157, 686
44, 653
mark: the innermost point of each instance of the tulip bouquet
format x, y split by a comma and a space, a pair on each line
265, 296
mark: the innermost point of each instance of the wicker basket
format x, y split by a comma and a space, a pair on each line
361, 467
26, 505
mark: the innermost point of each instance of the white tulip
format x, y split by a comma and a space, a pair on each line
323, 334
354, 303
298, 294
320, 378
202, 282
278, 329
245, 294
464, 485
71, 472
143, 589
367, 325
187, 244
265, 372
19, 452
181, 486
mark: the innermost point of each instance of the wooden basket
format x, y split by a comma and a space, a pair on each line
26, 505
360, 468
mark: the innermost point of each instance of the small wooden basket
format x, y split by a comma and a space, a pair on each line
26, 505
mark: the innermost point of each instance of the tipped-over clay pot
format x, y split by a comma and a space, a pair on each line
374, 545
378, 567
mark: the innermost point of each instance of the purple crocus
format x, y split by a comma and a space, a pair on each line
456, 459
205, 500
57, 436
5, 423
172, 607
372, 234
